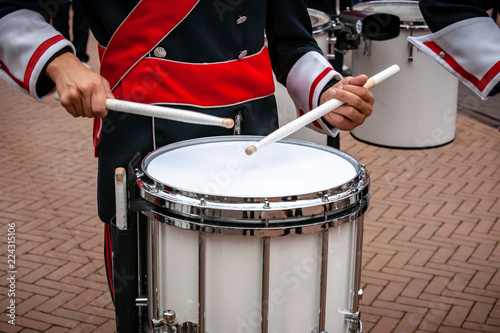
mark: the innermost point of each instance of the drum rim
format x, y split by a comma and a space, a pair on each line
250, 138
321, 27
405, 24
265, 228
187, 210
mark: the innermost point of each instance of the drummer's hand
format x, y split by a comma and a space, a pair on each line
358, 103
82, 91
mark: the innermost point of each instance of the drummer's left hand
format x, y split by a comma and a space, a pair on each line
358, 103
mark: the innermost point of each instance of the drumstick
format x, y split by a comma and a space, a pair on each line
121, 198
164, 112
316, 113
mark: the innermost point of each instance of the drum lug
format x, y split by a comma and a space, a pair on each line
171, 326
266, 204
360, 294
354, 320
155, 188
157, 324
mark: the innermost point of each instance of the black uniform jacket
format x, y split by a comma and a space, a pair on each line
214, 31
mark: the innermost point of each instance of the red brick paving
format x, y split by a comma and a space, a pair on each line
431, 244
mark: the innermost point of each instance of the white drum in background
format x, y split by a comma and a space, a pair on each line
265, 243
287, 111
417, 108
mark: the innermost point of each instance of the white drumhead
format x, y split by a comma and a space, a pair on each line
408, 11
222, 168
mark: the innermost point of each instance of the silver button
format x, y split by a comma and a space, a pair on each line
242, 54
160, 52
241, 19
442, 54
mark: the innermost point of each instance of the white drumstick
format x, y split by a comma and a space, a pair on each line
316, 113
164, 112
121, 198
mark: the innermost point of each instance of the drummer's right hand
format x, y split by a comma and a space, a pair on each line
82, 91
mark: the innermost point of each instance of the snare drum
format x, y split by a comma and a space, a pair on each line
417, 108
264, 243
322, 25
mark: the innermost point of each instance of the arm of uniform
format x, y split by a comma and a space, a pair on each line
298, 61
305, 82
27, 44
470, 50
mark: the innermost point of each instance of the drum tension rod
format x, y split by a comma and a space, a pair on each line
356, 326
169, 323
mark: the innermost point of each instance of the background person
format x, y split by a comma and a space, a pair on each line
79, 27
465, 41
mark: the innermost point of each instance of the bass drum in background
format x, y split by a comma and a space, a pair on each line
287, 111
417, 108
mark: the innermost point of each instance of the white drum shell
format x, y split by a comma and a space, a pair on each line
234, 280
415, 109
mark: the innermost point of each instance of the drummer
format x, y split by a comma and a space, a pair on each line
465, 41
182, 48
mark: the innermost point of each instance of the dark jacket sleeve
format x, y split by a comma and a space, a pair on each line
289, 34
442, 13
44, 7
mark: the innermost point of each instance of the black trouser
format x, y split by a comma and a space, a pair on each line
121, 254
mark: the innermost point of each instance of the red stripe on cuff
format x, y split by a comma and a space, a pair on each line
36, 56
6, 70
315, 84
479, 84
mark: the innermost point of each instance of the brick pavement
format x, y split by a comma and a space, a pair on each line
431, 254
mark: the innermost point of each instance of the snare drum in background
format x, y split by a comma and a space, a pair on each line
322, 25
418, 107
265, 243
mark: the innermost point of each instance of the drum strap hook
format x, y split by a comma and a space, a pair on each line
136, 203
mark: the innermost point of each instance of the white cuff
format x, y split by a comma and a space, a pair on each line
469, 49
305, 81
27, 42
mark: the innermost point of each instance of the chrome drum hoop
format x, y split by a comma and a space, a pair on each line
182, 208
264, 229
